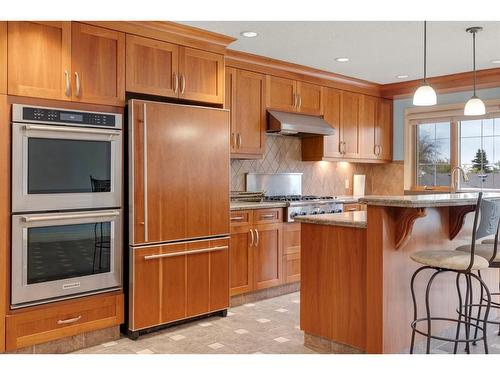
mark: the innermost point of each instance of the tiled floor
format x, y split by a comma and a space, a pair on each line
269, 326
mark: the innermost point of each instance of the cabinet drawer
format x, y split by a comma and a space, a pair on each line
61, 319
269, 215
241, 218
292, 267
353, 207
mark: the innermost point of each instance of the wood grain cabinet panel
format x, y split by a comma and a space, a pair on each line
201, 75
268, 255
248, 113
281, 94
152, 67
367, 126
291, 252
241, 259
3, 57
350, 124
39, 59
98, 64
383, 132
310, 99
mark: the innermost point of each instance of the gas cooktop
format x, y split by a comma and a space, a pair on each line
297, 198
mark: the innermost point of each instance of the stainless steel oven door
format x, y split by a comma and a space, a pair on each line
65, 167
64, 254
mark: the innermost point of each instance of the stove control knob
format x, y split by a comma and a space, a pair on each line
303, 213
293, 214
322, 212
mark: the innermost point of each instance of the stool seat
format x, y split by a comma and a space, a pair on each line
449, 259
489, 241
483, 250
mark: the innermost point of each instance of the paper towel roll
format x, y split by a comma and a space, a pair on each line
359, 185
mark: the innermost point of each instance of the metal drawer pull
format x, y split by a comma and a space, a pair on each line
183, 83
267, 216
176, 82
207, 250
67, 92
238, 140
29, 219
71, 320
237, 218
71, 130
251, 233
77, 77
257, 242
300, 101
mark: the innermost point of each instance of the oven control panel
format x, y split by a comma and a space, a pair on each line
49, 115
314, 209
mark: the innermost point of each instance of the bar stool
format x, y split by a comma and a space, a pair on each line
488, 249
462, 263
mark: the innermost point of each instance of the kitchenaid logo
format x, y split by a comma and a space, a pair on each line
70, 286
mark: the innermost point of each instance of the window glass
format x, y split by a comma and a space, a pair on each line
433, 154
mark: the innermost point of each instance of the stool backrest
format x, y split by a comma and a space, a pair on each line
488, 214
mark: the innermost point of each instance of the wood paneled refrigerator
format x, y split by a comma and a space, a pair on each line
178, 213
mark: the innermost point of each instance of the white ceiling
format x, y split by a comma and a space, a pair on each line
378, 51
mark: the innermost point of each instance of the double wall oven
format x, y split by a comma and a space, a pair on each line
66, 203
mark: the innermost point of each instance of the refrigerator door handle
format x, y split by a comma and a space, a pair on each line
179, 253
145, 173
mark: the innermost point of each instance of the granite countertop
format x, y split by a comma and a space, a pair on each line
356, 219
255, 205
425, 200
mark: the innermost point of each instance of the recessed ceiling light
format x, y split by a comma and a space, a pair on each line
249, 34
496, 61
342, 59
401, 76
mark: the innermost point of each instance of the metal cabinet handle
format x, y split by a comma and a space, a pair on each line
63, 129
176, 82
67, 92
169, 255
379, 150
71, 320
183, 83
29, 219
300, 101
237, 218
145, 170
77, 78
267, 216
233, 141
294, 100
238, 140
258, 237
253, 238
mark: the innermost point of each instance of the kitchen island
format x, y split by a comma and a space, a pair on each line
356, 270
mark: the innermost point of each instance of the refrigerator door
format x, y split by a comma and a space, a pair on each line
179, 172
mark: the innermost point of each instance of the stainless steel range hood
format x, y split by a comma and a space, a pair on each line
299, 125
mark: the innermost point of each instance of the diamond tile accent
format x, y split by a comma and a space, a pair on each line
177, 337
230, 313
205, 324
145, 351
281, 340
263, 320
296, 301
249, 304
281, 310
241, 331
108, 344
216, 345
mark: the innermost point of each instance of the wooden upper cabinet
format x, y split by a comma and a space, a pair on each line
309, 99
3, 57
151, 67
367, 125
39, 59
281, 94
201, 75
383, 132
350, 124
333, 99
248, 114
229, 94
98, 64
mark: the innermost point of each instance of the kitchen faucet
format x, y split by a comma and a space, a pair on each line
455, 175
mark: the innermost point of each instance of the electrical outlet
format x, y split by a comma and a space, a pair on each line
347, 183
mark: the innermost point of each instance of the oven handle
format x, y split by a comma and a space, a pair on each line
111, 133
169, 255
30, 219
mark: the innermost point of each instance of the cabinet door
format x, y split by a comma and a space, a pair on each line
241, 259
332, 116
291, 252
268, 255
229, 99
201, 75
219, 275
3, 57
39, 59
367, 126
350, 124
151, 67
310, 99
249, 113
384, 130
98, 65
281, 94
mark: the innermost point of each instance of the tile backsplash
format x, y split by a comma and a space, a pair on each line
283, 154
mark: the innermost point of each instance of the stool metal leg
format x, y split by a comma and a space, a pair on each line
486, 313
467, 312
412, 282
480, 307
428, 310
457, 335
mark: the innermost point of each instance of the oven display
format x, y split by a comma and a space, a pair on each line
65, 116
68, 117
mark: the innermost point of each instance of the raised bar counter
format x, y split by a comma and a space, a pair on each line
356, 219
355, 280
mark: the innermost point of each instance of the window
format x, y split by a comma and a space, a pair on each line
445, 142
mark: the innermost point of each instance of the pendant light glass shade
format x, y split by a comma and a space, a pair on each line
425, 95
474, 107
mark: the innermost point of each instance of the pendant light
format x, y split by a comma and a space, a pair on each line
425, 94
475, 106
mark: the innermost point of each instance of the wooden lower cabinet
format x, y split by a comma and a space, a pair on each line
256, 250
176, 281
35, 325
291, 252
